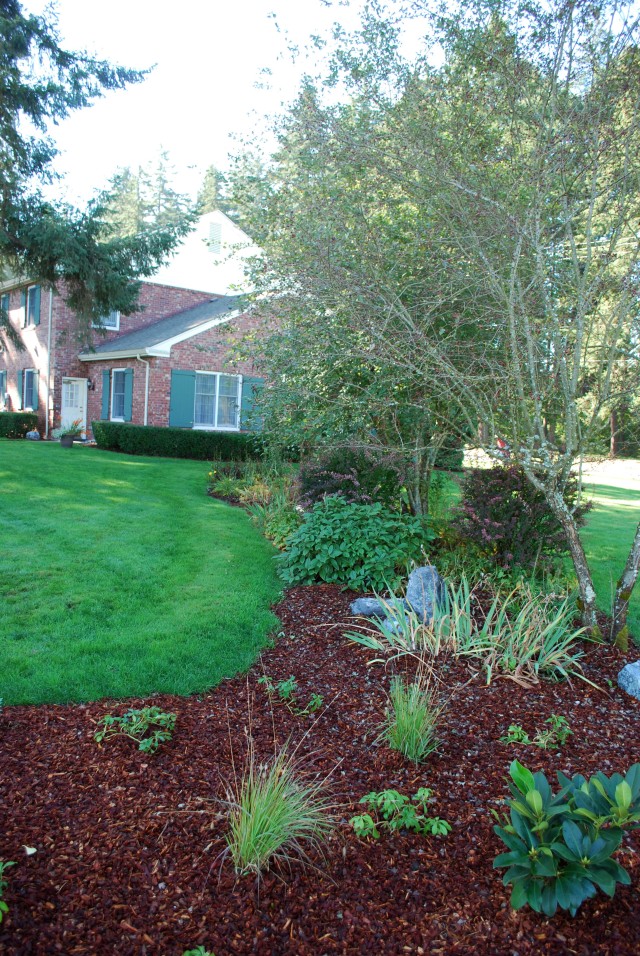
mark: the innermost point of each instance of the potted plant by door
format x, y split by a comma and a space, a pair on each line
69, 433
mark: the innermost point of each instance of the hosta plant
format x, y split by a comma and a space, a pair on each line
561, 846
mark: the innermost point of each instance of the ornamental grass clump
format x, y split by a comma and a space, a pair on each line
520, 635
276, 814
412, 718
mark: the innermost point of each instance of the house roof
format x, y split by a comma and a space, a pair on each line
156, 338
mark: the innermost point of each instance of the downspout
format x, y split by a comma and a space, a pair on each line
49, 336
146, 389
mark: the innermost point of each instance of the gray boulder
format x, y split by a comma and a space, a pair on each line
368, 607
629, 679
424, 590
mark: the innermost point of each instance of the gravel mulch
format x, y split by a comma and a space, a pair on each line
129, 848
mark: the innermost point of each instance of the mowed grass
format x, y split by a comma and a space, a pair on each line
119, 577
615, 490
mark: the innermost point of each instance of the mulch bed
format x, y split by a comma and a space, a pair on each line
130, 848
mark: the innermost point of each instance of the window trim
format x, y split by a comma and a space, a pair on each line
112, 383
216, 427
109, 328
4, 385
5, 301
29, 320
33, 372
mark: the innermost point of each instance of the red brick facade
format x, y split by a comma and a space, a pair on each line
207, 352
52, 348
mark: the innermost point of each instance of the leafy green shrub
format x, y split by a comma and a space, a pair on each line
274, 813
174, 442
149, 726
17, 424
509, 520
362, 547
276, 520
412, 718
395, 812
362, 475
561, 845
4, 865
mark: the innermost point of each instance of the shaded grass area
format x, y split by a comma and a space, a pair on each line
120, 577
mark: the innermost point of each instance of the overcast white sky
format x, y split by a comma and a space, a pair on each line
209, 55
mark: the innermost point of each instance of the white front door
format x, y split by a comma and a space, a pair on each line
74, 403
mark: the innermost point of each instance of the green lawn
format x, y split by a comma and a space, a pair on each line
120, 577
609, 531
614, 488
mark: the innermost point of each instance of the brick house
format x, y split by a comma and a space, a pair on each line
168, 364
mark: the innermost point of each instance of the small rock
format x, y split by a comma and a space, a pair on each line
629, 679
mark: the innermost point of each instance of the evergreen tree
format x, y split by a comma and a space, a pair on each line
48, 239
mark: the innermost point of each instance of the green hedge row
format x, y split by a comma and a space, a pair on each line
176, 442
17, 424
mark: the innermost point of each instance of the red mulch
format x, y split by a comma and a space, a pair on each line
129, 846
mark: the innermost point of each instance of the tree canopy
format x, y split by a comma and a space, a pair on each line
469, 219
44, 238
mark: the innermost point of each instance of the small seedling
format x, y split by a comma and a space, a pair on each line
198, 951
3, 906
554, 736
287, 691
397, 812
149, 726
515, 735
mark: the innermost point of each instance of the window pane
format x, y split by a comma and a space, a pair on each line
31, 304
29, 381
228, 402
205, 400
117, 404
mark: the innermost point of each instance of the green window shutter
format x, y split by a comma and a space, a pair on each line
23, 306
36, 306
106, 389
251, 388
183, 396
128, 394
35, 391
20, 390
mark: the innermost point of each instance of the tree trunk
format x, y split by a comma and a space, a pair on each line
587, 603
613, 429
623, 594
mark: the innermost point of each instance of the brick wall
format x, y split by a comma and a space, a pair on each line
157, 302
209, 351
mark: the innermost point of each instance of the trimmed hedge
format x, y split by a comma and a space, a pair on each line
17, 424
176, 442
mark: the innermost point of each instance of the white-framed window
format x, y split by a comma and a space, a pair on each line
32, 314
4, 302
3, 388
110, 321
30, 389
217, 401
117, 394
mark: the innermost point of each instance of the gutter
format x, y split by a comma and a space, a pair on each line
146, 389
